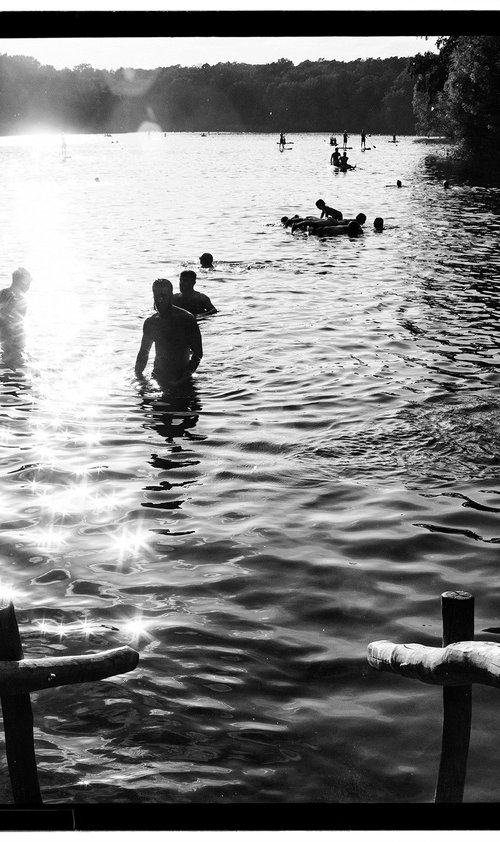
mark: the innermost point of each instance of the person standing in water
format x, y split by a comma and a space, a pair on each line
194, 302
363, 139
175, 335
13, 299
345, 140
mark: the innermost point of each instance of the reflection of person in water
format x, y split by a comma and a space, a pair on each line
176, 336
12, 312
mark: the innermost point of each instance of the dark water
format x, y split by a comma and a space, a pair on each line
334, 469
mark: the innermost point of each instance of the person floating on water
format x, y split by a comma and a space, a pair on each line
207, 260
335, 157
331, 228
12, 299
176, 336
345, 140
363, 139
194, 302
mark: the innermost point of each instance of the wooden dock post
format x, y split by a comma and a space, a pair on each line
19, 677
458, 625
18, 719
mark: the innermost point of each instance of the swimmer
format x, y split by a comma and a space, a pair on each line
398, 183
326, 211
354, 229
378, 223
176, 336
194, 302
12, 299
206, 260
446, 184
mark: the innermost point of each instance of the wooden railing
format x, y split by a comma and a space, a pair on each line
19, 677
461, 663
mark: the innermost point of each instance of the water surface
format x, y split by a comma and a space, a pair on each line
333, 470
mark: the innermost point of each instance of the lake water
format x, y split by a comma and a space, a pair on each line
334, 470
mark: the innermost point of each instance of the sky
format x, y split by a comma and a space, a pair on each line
152, 52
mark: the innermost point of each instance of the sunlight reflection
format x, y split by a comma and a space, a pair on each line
131, 541
136, 628
49, 538
7, 593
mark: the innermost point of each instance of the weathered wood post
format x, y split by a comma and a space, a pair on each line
18, 719
458, 625
20, 676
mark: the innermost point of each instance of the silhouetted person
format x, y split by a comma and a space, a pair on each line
363, 139
12, 299
335, 157
176, 336
206, 260
189, 299
327, 211
378, 223
446, 184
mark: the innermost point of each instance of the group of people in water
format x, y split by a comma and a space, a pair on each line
173, 328
331, 223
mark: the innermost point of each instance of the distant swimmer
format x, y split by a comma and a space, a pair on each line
206, 260
345, 139
326, 211
13, 303
378, 223
446, 184
282, 139
176, 336
363, 139
194, 302
398, 183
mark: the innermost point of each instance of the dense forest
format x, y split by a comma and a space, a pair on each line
457, 94
313, 96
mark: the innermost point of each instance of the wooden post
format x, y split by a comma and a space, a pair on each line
18, 719
458, 624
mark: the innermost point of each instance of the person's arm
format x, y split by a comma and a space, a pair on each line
196, 346
209, 307
143, 355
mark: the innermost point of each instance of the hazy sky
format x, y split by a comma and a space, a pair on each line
150, 52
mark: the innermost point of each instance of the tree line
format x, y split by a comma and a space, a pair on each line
314, 96
457, 94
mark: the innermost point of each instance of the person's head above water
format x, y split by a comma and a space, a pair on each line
207, 260
446, 184
378, 223
354, 228
21, 279
187, 280
361, 218
398, 183
162, 295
